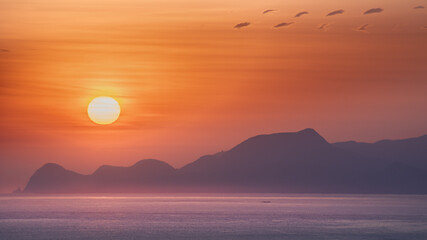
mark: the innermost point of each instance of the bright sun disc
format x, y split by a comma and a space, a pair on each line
103, 110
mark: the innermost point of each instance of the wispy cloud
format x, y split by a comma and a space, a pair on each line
419, 7
4, 50
301, 13
335, 12
283, 24
269, 10
323, 26
373, 10
243, 24
363, 27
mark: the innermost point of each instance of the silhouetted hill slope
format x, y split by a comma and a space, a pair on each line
411, 151
283, 162
144, 169
261, 151
52, 177
287, 162
148, 173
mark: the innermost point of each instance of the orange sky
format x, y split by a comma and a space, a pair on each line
189, 84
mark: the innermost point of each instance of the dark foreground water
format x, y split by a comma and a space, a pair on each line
221, 217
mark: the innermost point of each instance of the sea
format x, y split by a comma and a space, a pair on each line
214, 216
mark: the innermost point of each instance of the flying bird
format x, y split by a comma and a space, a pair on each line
243, 24
269, 10
363, 27
301, 13
419, 7
373, 10
283, 24
335, 12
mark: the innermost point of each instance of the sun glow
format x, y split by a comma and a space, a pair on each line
103, 110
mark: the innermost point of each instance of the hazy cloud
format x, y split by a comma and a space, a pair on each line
363, 27
419, 7
335, 12
269, 10
243, 24
301, 13
283, 24
4, 50
373, 10
398, 27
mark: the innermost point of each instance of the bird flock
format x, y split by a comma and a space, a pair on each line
323, 26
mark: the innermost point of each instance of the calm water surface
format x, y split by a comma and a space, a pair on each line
221, 217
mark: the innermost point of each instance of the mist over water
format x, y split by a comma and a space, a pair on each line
214, 217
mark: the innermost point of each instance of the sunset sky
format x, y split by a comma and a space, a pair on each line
190, 84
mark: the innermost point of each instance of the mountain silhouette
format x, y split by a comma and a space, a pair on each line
52, 177
296, 162
148, 173
411, 151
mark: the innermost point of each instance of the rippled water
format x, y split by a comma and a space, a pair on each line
207, 217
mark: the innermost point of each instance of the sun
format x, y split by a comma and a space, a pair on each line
103, 110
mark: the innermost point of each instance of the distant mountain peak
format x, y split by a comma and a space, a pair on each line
150, 162
146, 167
306, 137
52, 167
103, 168
309, 130
49, 177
